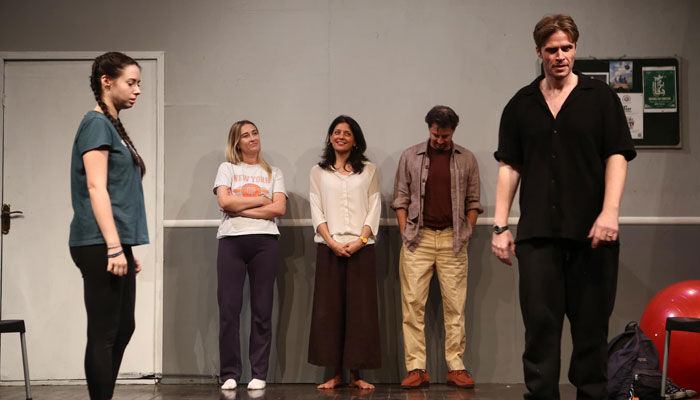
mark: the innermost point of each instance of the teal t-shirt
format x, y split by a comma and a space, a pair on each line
123, 185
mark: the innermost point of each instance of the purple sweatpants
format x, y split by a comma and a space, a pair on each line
258, 256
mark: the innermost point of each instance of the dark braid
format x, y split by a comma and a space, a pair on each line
112, 64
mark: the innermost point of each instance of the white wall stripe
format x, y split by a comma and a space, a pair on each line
213, 223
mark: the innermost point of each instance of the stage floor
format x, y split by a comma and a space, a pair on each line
487, 391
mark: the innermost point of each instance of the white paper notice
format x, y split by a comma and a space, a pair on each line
633, 104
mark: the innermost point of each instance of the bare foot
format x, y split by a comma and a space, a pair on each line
331, 383
361, 384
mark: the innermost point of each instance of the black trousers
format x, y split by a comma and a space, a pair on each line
109, 302
562, 277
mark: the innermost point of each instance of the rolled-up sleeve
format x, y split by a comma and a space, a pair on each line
317, 215
278, 182
402, 195
224, 176
473, 197
374, 203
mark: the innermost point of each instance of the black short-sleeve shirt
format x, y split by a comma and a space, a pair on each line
562, 161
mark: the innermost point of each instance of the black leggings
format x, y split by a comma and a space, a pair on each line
109, 302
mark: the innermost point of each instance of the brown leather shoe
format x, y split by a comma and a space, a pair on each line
462, 379
415, 379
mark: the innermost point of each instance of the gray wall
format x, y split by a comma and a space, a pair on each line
292, 66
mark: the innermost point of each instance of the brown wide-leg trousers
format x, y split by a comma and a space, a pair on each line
344, 320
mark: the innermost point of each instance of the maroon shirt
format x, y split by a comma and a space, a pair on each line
437, 205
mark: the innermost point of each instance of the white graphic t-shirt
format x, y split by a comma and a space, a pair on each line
248, 180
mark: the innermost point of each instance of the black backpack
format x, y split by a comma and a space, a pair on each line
633, 366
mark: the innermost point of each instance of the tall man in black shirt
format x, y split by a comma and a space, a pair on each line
565, 136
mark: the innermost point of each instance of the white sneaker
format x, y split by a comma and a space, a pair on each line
256, 384
229, 384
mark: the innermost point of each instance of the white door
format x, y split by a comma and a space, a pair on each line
43, 105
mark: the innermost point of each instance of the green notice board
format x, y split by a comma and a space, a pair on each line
650, 93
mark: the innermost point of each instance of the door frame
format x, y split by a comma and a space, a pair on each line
158, 57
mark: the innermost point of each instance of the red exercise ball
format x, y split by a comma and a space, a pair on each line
681, 299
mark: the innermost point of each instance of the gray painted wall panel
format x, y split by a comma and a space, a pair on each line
652, 257
292, 66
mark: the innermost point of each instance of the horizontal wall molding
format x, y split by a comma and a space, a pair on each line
214, 223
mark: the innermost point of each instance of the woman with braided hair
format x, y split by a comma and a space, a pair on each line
109, 217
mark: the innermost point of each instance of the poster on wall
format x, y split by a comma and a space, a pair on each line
601, 76
621, 74
659, 85
653, 107
632, 103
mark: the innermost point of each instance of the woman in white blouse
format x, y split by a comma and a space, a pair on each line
345, 209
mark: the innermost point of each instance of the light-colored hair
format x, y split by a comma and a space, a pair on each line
233, 153
552, 23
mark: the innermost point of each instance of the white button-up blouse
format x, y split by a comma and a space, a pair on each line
345, 202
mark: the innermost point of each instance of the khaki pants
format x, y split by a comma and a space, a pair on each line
415, 272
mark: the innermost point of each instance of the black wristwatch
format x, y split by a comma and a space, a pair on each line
499, 229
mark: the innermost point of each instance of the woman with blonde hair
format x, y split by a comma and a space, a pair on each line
251, 195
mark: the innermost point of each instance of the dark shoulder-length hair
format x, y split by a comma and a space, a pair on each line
357, 154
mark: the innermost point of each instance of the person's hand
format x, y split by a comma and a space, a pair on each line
353, 246
501, 245
137, 265
117, 265
265, 200
604, 229
338, 249
402, 229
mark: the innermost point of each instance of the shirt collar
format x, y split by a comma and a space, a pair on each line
424, 149
584, 82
